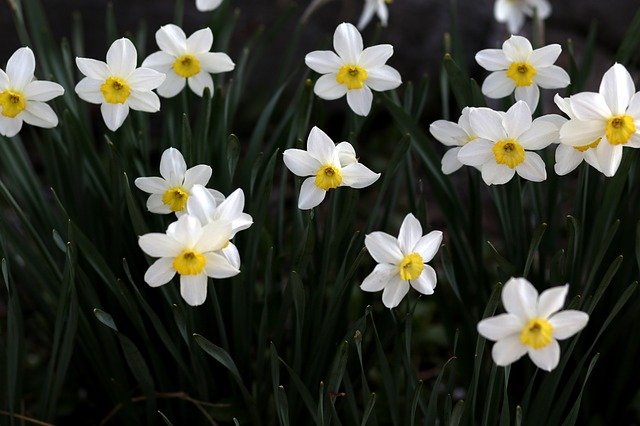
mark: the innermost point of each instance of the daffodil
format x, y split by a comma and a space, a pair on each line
207, 5
186, 60
353, 71
22, 98
610, 119
569, 157
118, 85
453, 134
170, 192
518, 67
190, 250
329, 166
504, 139
374, 7
532, 324
513, 12
402, 261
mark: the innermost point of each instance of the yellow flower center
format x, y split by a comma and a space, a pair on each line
537, 333
521, 73
508, 152
189, 262
175, 198
583, 148
186, 66
12, 103
328, 177
115, 90
411, 266
352, 76
620, 129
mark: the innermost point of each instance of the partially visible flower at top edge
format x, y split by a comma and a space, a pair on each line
518, 67
186, 60
171, 192
374, 7
118, 85
207, 5
513, 12
329, 166
532, 325
353, 71
402, 261
22, 97
453, 134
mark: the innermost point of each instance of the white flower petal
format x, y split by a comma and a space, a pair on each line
520, 298
156, 205
567, 323
517, 49
552, 77
92, 68
492, 59
545, 56
578, 133
231, 208
151, 185
426, 282
159, 245
546, 358
394, 292
207, 5
214, 236
122, 57
500, 326
517, 120
346, 154
383, 78
409, 234
532, 168
450, 162
476, 153
144, 101
357, 175
160, 272
172, 166
201, 204
497, 85
231, 253
487, 124
197, 175
541, 134
159, 61
201, 81
88, 89
20, 67
328, 88
634, 106
39, 114
567, 159
172, 39
609, 157
448, 133
367, 14
200, 41
323, 61
310, 194
347, 42
300, 162
508, 350
10, 127
427, 246
5, 83
172, 85
384, 248
219, 267
114, 115
617, 88
381, 275
496, 174
320, 146
187, 230
193, 289
145, 79
360, 100
375, 56
552, 300
529, 94
590, 106
42, 91
216, 62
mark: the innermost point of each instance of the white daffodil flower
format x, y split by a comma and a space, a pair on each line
402, 261
203, 205
330, 166
503, 140
374, 7
118, 85
171, 192
453, 134
22, 97
186, 60
189, 249
207, 5
518, 67
569, 157
513, 12
532, 324
353, 71
611, 117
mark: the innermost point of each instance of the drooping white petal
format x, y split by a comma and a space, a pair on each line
310, 194
500, 326
508, 350
609, 157
567, 159
367, 13
122, 57
347, 42
541, 134
492, 59
532, 168
517, 48
10, 127
578, 132
487, 124
448, 133
231, 253
114, 115
300, 162
375, 56
497, 85
323, 61
216, 62
450, 162
197, 175
151, 185
517, 120
552, 77
428, 245
357, 175
360, 100
476, 153
590, 106
381, 275
543, 8
172, 85
193, 289
617, 88
159, 61
92, 68
160, 272
199, 82
145, 79
520, 298
20, 67
567, 323
200, 41
328, 88
426, 282
384, 248
144, 101
219, 267
564, 104
172, 39
159, 245
383, 78
156, 205
529, 94
546, 358
409, 234
496, 174
42, 91
552, 300
88, 89
39, 114
172, 166
545, 56
394, 292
